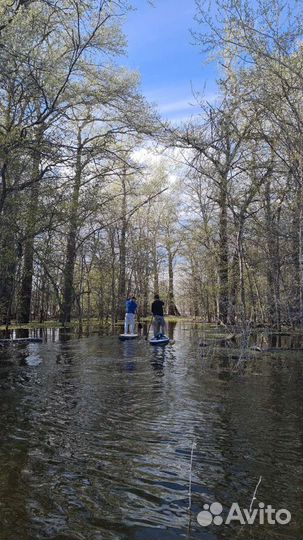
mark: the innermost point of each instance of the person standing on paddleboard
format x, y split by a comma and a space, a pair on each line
130, 313
157, 311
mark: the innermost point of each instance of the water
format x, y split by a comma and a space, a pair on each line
96, 439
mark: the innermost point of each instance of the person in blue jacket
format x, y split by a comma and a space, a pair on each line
130, 314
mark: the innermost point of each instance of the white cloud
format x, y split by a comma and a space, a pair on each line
176, 109
174, 106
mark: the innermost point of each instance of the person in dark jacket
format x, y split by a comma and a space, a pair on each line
157, 311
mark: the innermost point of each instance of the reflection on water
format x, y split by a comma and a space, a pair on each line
171, 329
96, 436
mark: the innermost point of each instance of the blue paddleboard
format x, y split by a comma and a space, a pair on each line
160, 339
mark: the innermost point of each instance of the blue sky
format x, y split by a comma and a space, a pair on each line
160, 48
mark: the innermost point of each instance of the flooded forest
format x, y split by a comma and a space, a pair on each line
104, 199
100, 197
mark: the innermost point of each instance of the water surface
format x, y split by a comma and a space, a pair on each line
96, 439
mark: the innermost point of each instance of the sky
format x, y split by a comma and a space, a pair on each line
161, 48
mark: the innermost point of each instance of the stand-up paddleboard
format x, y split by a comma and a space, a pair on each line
160, 339
125, 337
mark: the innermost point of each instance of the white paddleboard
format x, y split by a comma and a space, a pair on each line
125, 337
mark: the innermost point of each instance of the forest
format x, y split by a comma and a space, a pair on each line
213, 220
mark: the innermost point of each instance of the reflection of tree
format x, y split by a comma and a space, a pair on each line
90, 430
251, 430
14, 460
97, 446
171, 325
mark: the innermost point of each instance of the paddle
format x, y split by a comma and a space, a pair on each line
146, 337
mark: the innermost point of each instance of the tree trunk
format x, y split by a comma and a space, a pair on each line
241, 276
122, 257
113, 310
68, 273
8, 261
300, 252
145, 289
172, 308
43, 300
155, 268
234, 286
194, 291
28, 260
273, 264
25, 294
223, 254
3, 184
